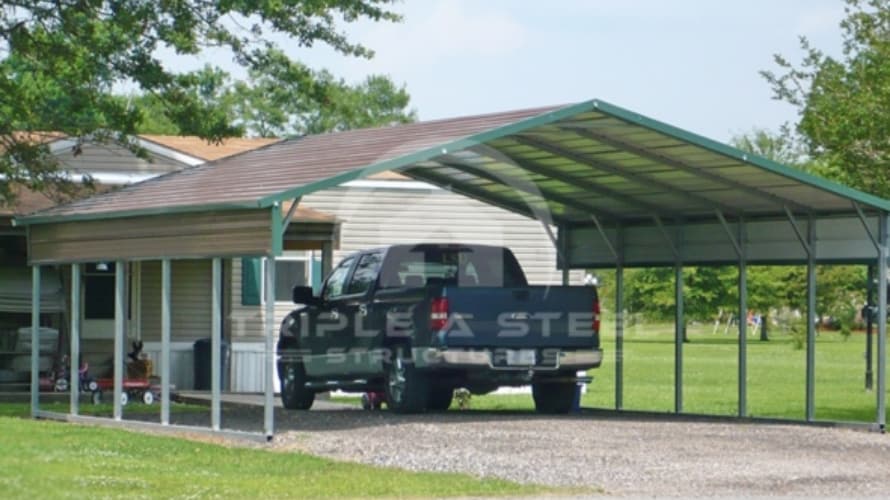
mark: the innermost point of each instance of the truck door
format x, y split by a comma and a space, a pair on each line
328, 335
364, 328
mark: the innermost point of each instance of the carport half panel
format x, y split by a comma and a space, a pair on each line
192, 235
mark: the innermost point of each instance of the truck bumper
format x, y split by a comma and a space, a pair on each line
429, 357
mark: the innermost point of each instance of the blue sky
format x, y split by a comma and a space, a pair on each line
691, 63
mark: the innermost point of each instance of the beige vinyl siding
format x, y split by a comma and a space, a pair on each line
372, 217
111, 158
190, 298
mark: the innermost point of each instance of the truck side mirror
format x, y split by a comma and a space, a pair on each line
303, 295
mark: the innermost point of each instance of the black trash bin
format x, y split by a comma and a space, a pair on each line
203, 365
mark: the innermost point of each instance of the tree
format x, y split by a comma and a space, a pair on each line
61, 62
780, 147
844, 104
268, 109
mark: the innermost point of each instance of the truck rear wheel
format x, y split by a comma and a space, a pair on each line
406, 387
294, 394
440, 398
553, 398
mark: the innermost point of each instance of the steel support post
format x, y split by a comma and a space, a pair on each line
120, 317
679, 322
811, 322
165, 342
35, 340
869, 323
882, 324
215, 343
619, 324
269, 415
74, 333
743, 322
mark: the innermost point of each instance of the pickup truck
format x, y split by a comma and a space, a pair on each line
418, 321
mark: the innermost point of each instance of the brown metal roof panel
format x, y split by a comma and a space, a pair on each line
278, 166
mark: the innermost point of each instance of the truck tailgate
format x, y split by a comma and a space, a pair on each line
526, 317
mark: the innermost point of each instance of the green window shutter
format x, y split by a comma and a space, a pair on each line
251, 281
316, 276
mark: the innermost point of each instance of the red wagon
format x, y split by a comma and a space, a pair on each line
140, 388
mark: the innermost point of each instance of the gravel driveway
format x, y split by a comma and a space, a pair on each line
622, 455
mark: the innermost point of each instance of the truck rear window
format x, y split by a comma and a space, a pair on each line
455, 266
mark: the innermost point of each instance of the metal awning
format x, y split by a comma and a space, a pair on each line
621, 188
588, 168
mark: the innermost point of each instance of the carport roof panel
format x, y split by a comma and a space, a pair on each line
621, 157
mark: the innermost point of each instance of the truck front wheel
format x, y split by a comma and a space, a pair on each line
553, 397
406, 387
294, 394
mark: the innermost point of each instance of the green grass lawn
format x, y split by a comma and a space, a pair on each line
56, 460
776, 374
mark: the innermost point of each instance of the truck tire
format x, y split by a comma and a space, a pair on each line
294, 394
553, 398
406, 388
440, 398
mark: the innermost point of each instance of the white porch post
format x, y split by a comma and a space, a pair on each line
215, 343
165, 342
35, 340
74, 360
269, 420
119, 321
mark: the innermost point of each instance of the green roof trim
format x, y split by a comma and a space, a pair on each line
737, 154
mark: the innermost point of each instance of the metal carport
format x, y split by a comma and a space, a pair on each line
622, 190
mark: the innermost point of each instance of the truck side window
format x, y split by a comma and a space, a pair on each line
334, 286
365, 273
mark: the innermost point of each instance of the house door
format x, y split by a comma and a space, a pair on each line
97, 310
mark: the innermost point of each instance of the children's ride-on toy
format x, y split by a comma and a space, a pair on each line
138, 384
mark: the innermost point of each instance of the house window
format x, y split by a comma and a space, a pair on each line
290, 270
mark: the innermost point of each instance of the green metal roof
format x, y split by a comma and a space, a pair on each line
561, 163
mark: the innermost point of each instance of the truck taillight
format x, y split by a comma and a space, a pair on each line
596, 315
438, 313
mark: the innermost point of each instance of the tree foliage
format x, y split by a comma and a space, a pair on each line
60, 62
263, 108
844, 103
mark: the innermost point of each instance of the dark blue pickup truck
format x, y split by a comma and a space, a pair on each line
418, 321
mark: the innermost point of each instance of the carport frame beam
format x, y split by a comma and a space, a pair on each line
165, 341
679, 313
808, 242
35, 340
120, 297
269, 393
882, 323
215, 343
74, 340
738, 243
